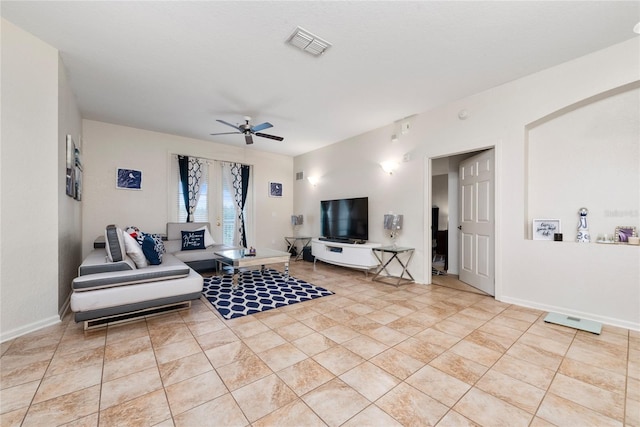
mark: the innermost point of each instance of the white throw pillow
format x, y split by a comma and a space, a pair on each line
134, 251
208, 240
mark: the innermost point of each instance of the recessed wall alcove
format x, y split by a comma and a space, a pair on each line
586, 155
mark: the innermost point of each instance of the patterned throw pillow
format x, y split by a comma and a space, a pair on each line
192, 240
151, 250
157, 238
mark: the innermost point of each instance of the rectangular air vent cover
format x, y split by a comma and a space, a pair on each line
310, 43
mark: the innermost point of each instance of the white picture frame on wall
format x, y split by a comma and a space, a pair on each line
544, 229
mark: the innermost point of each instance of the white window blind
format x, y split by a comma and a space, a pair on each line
202, 208
228, 211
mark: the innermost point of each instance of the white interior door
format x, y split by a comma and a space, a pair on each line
477, 257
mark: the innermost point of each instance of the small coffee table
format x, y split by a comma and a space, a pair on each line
238, 258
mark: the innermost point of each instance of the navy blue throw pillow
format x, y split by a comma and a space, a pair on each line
151, 250
192, 240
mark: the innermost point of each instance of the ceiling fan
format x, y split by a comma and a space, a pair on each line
249, 130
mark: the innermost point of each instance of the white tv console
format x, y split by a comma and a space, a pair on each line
353, 255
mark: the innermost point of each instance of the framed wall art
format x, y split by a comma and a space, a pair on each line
275, 189
623, 232
73, 180
544, 229
128, 179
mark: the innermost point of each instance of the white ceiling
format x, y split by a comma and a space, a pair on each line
176, 67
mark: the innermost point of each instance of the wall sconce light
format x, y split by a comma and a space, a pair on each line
389, 166
393, 224
313, 180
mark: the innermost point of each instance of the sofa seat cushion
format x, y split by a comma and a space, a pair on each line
122, 295
171, 268
174, 247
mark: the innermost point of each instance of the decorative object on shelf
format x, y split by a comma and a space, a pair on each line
128, 179
393, 223
557, 237
605, 238
275, 189
623, 232
634, 240
296, 222
545, 229
583, 228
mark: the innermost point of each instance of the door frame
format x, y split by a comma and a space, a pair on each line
429, 157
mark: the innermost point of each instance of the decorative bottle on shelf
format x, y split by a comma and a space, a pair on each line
583, 228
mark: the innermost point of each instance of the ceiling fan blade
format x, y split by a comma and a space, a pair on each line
229, 124
261, 126
248, 139
225, 133
264, 135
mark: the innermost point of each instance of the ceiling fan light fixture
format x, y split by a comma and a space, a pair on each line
308, 42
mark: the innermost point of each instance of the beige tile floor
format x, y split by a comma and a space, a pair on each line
370, 355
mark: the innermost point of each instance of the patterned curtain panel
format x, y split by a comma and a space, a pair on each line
240, 179
190, 176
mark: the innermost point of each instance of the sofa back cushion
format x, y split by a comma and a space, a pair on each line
174, 229
114, 243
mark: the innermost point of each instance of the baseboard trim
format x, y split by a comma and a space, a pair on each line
31, 327
65, 307
569, 312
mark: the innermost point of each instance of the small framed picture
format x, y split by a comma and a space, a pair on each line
275, 189
128, 179
544, 229
623, 232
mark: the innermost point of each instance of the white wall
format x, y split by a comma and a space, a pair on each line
107, 147
29, 179
599, 282
69, 209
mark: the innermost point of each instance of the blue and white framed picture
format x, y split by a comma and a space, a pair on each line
275, 189
128, 179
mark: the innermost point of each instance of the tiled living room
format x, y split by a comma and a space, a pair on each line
102, 102
369, 355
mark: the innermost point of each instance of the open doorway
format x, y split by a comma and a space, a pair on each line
461, 205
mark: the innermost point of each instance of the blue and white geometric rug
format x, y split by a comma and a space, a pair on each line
257, 292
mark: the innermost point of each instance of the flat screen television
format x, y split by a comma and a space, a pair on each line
345, 219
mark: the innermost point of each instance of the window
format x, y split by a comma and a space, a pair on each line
228, 211
202, 208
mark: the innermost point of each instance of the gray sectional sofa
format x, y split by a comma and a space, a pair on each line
113, 284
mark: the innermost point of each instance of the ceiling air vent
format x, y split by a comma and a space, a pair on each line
303, 39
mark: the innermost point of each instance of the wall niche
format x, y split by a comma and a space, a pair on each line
586, 155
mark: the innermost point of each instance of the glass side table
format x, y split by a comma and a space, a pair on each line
395, 252
292, 242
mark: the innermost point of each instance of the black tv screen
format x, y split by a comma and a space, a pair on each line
345, 219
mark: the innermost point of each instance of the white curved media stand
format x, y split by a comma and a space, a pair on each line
352, 255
